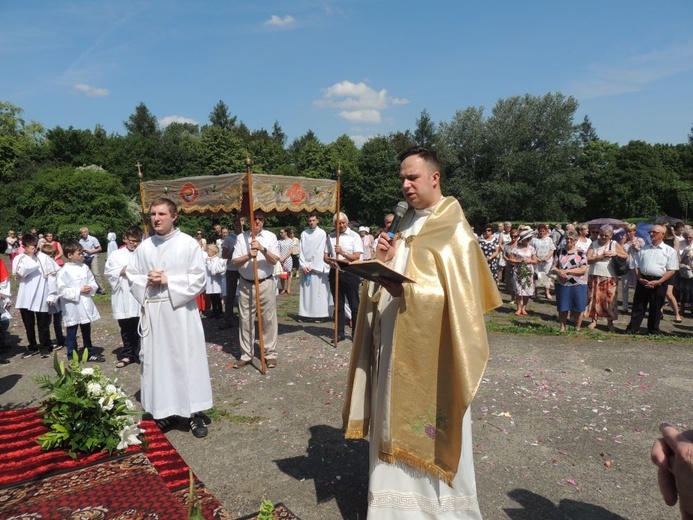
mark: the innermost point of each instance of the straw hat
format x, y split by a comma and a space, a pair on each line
525, 235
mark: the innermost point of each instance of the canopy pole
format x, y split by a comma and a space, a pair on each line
145, 226
253, 234
336, 268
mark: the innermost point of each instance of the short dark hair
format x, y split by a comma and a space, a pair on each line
29, 240
134, 232
168, 202
71, 247
429, 156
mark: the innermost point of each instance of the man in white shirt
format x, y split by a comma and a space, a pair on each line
655, 264
125, 308
350, 248
314, 295
92, 248
265, 248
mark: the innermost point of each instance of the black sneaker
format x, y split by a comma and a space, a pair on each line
197, 427
205, 418
30, 353
167, 424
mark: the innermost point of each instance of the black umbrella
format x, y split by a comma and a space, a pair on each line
665, 219
603, 221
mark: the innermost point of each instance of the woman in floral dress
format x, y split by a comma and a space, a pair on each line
602, 286
524, 257
286, 244
544, 247
489, 246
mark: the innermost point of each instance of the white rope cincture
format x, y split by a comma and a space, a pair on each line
144, 326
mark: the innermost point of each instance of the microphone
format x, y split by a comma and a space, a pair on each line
400, 210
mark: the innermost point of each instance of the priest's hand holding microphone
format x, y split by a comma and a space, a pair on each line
385, 250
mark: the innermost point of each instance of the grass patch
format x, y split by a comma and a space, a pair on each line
218, 414
524, 328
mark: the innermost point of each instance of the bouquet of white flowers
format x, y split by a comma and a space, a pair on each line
85, 411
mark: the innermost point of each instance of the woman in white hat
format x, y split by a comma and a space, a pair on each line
524, 257
368, 242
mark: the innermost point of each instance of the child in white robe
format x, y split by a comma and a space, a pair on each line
35, 272
76, 286
216, 268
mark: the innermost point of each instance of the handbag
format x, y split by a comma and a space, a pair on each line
685, 272
543, 280
620, 266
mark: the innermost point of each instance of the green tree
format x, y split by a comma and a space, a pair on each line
267, 154
18, 141
64, 199
464, 156
587, 132
425, 133
142, 123
222, 151
307, 157
532, 149
379, 169
597, 162
343, 154
71, 147
221, 118
278, 134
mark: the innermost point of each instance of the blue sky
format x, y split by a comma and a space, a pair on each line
355, 67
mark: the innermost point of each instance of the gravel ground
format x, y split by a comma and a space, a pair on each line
563, 424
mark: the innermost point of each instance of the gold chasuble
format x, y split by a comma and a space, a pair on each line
439, 349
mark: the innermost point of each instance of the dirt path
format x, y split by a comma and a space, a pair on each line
562, 424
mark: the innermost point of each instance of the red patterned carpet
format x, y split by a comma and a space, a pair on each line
37, 481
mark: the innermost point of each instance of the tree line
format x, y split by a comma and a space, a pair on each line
526, 160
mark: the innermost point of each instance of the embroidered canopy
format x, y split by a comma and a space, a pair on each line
208, 194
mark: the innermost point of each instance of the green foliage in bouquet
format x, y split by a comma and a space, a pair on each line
266, 510
525, 275
85, 411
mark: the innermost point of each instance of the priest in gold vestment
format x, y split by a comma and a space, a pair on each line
419, 353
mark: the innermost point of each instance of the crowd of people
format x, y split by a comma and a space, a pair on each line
589, 266
421, 448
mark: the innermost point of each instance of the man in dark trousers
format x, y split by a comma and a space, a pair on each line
350, 248
655, 264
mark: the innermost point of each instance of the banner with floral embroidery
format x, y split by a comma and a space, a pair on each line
229, 192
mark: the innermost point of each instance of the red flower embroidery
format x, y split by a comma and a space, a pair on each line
188, 193
296, 193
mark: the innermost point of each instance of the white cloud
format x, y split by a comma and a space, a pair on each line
635, 73
164, 122
359, 140
90, 90
280, 22
359, 102
361, 116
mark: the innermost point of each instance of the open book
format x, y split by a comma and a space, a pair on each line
372, 270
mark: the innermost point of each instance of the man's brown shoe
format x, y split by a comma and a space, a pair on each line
241, 363
271, 363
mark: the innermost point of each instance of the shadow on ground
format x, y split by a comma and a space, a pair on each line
337, 467
536, 506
